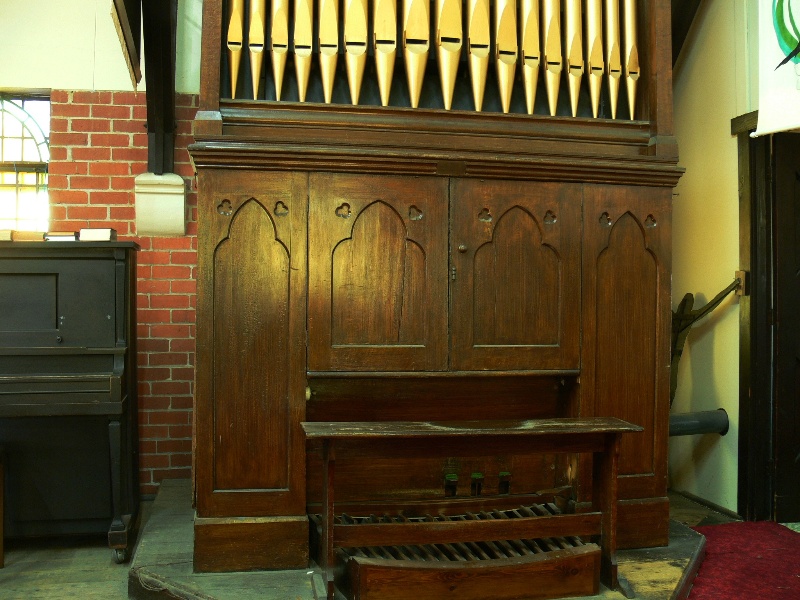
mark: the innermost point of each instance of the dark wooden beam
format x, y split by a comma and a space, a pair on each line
683, 13
128, 16
756, 396
160, 18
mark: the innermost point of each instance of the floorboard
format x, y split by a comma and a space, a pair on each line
82, 568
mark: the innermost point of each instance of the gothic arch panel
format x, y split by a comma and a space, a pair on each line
251, 298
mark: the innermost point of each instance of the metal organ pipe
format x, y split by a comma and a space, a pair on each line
255, 41
478, 48
235, 41
595, 38
355, 44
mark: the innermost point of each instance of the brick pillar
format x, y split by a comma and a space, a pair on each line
98, 145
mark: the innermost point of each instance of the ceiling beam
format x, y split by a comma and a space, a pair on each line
683, 13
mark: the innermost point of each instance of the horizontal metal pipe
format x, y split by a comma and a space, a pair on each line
707, 421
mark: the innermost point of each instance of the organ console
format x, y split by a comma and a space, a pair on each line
460, 250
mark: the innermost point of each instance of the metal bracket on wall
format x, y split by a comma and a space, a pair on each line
744, 287
684, 317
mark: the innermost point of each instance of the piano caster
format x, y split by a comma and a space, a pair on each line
120, 555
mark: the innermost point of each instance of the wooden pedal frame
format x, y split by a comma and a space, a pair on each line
598, 436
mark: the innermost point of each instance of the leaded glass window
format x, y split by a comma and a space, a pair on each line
24, 154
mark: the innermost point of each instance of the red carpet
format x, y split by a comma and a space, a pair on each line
749, 561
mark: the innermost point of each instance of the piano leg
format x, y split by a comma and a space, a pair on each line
120, 524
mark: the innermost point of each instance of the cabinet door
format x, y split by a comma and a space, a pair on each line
377, 273
515, 279
626, 337
250, 344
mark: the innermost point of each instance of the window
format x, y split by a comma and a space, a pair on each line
24, 154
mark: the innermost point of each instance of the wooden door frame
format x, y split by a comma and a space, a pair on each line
756, 333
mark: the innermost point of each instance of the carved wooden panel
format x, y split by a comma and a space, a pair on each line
377, 273
626, 331
251, 297
515, 275
251, 302
627, 313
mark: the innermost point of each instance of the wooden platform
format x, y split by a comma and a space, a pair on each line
162, 566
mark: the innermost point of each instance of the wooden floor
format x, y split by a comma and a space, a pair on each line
79, 568
83, 569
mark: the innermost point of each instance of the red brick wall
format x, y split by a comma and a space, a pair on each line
98, 145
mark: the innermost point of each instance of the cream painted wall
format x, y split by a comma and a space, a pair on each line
713, 83
73, 45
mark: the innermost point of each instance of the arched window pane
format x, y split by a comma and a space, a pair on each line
24, 154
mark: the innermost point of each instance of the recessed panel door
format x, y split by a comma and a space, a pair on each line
377, 273
250, 351
626, 339
515, 275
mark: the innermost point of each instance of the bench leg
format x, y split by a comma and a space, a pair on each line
605, 493
326, 552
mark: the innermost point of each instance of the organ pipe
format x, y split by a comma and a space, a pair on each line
631, 53
255, 41
355, 44
449, 39
551, 36
279, 42
235, 41
478, 48
416, 44
530, 49
385, 44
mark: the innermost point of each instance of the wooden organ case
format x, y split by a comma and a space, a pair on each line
400, 220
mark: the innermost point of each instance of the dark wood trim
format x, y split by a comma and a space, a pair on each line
208, 120
525, 161
160, 26
756, 405
745, 123
437, 374
128, 14
655, 58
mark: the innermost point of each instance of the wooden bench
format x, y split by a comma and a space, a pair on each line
385, 440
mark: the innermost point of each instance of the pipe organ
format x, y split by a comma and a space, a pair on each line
421, 214
567, 33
